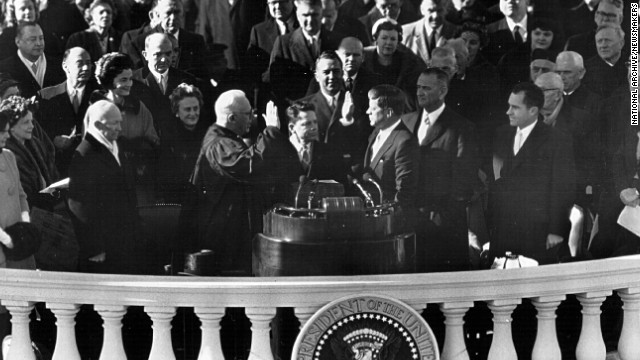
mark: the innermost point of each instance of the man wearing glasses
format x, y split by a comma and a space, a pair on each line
608, 12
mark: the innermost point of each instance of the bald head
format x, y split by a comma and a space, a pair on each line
570, 67
77, 65
158, 52
105, 117
233, 111
351, 53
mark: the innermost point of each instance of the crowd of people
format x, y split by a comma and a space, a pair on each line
496, 126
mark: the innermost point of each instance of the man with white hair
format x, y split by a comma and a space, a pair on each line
610, 12
581, 126
236, 179
607, 71
570, 67
102, 196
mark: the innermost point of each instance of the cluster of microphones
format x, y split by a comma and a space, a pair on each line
353, 177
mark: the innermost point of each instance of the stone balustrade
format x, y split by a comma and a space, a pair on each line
503, 291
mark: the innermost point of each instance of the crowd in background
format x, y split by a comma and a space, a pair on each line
147, 81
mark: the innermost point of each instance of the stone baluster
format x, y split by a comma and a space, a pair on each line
20, 348
546, 346
304, 314
502, 347
161, 345
112, 347
211, 348
628, 344
454, 346
591, 345
66, 346
260, 341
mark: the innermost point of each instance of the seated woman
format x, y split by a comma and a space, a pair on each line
36, 164
394, 63
181, 142
16, 11
100, 38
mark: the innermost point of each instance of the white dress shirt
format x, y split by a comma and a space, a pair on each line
42, 67
523, 26
522, 135
381, 138
423, 128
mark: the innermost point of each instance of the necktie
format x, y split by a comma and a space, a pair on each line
34, 67
162, 86
517, 36
423, 130
305, 157
76, 101
432, 41
375, 147
349, 84
314, 48
517, 144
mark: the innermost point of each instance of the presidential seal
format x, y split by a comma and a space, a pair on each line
366, 327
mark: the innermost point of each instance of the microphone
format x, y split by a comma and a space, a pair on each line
364, 193
368, 178
301, 180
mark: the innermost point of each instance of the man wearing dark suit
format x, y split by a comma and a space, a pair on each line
607, 71
570, 67
192, 48
589, 163
29, 66
157, 81
312, 158
334, 109
509, 32
102, 197
281, 20
355, 8
534, 186
342, 23
293, 57
64, 105
392, 154
448, 170
607, 12
578, 17
401, 11
431, 31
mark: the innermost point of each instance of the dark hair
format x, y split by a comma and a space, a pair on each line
309, 2
10, 12
109, 66
389, 96
440, 74
93, 4
533, 95
4, 120
16, 107
296, 108
388, 25
476, 28
6, 82
157, 2
21, 26
183, 91
328, 55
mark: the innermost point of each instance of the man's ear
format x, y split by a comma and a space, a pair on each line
144, 54
99, 125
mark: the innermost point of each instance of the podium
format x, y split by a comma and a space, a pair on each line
340, 237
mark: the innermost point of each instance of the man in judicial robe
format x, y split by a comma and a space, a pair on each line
534, 190
234, 179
